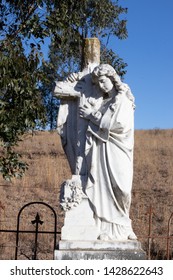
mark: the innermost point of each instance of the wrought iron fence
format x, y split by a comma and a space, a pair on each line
151, 236
37, 222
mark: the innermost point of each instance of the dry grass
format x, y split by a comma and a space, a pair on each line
154, 159
48, 168
153, 185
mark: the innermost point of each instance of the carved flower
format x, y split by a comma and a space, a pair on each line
72, 194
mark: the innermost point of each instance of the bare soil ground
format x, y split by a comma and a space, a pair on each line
48, 168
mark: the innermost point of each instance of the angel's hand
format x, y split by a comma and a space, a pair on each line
85, 111
73, 77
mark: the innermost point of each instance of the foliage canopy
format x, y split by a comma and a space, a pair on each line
27, 73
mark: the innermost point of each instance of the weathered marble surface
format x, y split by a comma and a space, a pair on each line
100, 255
96, 124
100, 245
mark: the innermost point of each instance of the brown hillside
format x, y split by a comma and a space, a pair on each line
48, 167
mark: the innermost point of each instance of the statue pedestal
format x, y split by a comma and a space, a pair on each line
99, 250
79, 239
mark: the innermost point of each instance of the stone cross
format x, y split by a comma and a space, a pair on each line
73, 95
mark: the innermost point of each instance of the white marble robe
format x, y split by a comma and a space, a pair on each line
109, 154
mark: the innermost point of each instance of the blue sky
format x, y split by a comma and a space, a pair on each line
148, 51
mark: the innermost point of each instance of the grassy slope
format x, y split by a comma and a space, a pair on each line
48, 167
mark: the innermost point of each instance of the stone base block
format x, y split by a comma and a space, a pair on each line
99, 255
98, 250
99, 245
